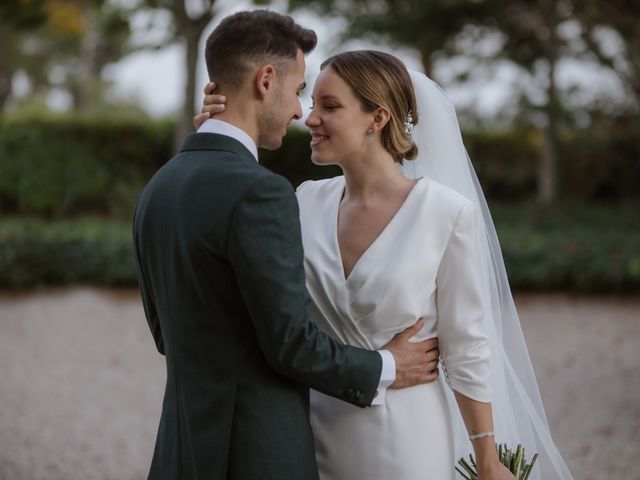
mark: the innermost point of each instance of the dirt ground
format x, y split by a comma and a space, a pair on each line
81, 384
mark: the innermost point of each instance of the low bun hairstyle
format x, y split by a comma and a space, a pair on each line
379, 79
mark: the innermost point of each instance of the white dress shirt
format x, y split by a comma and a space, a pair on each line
388, 374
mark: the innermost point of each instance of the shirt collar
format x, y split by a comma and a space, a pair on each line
220, 127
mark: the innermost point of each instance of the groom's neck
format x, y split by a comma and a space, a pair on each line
242, 115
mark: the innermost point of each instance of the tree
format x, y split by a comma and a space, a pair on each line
530, 38
188, 22
427, 26
604, 22
16, 18
62, 44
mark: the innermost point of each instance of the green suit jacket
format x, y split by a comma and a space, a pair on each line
220, 268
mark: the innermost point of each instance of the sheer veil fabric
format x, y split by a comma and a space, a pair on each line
518, 413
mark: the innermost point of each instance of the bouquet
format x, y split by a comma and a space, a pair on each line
514, 461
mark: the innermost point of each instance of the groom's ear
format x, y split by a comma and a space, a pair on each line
265, 80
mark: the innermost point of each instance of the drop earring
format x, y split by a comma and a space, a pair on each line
370, 136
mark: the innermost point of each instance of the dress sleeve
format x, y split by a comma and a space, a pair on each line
463, 345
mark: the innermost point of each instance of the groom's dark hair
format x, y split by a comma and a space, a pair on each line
245, 39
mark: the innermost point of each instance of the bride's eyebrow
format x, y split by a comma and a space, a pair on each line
325, 97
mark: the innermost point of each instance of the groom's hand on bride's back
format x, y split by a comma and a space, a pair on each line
416, 362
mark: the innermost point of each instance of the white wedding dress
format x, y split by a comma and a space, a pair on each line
389, 288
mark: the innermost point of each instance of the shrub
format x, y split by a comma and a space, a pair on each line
582, 248
68, 165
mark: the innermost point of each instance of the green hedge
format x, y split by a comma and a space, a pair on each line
579, 248
53, 167
69, 165
37, 252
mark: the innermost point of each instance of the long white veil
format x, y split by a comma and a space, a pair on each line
518, 413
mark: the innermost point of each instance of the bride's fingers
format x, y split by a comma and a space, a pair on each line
209, 88
200, 119
214, 99
212, 109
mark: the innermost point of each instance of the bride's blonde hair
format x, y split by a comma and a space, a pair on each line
379, 79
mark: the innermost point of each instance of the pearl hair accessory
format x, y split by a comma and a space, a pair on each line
408, 125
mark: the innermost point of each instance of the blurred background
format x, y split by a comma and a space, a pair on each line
95, 95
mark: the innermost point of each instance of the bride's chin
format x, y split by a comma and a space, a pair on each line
319, 159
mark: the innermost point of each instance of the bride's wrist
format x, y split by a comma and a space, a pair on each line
486, 454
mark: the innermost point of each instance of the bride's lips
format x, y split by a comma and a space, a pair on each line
317, 139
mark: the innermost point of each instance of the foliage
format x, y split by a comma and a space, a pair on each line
602, 18
536, 36
61, 44
426, 26
35, 252
187, 22
74, 164
67, 165
515, 461
580, 248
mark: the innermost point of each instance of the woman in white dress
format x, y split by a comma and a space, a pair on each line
361, 234
383, 246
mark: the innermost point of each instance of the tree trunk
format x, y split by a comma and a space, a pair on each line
84, 95
185, 120
6, 87
427, 64
548, 166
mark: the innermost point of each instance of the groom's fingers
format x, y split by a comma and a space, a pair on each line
432, 365
412, 330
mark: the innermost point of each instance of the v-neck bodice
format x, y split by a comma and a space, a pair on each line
396, 217
394, 281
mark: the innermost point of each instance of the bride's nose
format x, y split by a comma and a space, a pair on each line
313, 119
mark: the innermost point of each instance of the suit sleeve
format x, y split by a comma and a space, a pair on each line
150, 311
265, 249
463, 345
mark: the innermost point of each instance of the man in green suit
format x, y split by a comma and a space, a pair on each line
220, 268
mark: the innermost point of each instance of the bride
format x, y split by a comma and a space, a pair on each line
406, 233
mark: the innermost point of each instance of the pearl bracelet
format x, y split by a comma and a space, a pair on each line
481, 435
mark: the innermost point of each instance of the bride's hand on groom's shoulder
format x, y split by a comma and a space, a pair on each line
416, 362
211, 105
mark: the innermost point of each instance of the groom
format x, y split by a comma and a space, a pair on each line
220, 267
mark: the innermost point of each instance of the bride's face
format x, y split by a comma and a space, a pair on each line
337, 122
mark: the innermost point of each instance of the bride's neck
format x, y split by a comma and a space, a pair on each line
372, 177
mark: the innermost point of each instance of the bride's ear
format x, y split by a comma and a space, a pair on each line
380, 118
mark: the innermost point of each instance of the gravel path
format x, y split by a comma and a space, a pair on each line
81, 384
